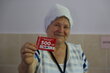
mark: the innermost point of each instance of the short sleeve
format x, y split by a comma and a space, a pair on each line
83, 58
85, 62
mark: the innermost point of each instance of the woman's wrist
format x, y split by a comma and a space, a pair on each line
23, 68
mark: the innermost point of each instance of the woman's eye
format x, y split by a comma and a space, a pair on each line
66, 27
56, 24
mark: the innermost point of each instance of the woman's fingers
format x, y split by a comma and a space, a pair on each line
28, 47
26, 55
27, 52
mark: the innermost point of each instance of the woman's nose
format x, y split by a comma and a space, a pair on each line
61, 29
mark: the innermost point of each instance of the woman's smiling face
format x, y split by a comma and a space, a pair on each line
59, 29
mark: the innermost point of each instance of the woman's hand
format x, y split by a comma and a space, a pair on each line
28, 62
27, 53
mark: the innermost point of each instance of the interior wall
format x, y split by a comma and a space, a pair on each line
10, 44
27, 16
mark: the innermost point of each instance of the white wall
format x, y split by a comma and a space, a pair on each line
26, 16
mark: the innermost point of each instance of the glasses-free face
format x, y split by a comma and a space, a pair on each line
59, 29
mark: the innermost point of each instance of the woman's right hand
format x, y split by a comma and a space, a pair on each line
28, 62
27, 53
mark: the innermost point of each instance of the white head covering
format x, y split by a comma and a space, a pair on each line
57, 11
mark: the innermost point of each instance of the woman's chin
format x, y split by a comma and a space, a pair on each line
59, 41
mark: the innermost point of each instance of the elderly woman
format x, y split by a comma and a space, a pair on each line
66, 57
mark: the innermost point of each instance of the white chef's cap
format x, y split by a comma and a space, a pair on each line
57, 11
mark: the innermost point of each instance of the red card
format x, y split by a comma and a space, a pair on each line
46, 43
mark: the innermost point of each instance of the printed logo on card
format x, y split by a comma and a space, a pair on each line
46, 43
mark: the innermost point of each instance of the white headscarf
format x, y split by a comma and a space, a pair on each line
57, 11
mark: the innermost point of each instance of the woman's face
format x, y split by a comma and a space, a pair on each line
59, 29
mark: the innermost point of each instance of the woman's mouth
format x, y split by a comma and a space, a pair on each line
59, 35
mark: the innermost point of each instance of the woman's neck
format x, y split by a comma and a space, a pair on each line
59, 52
